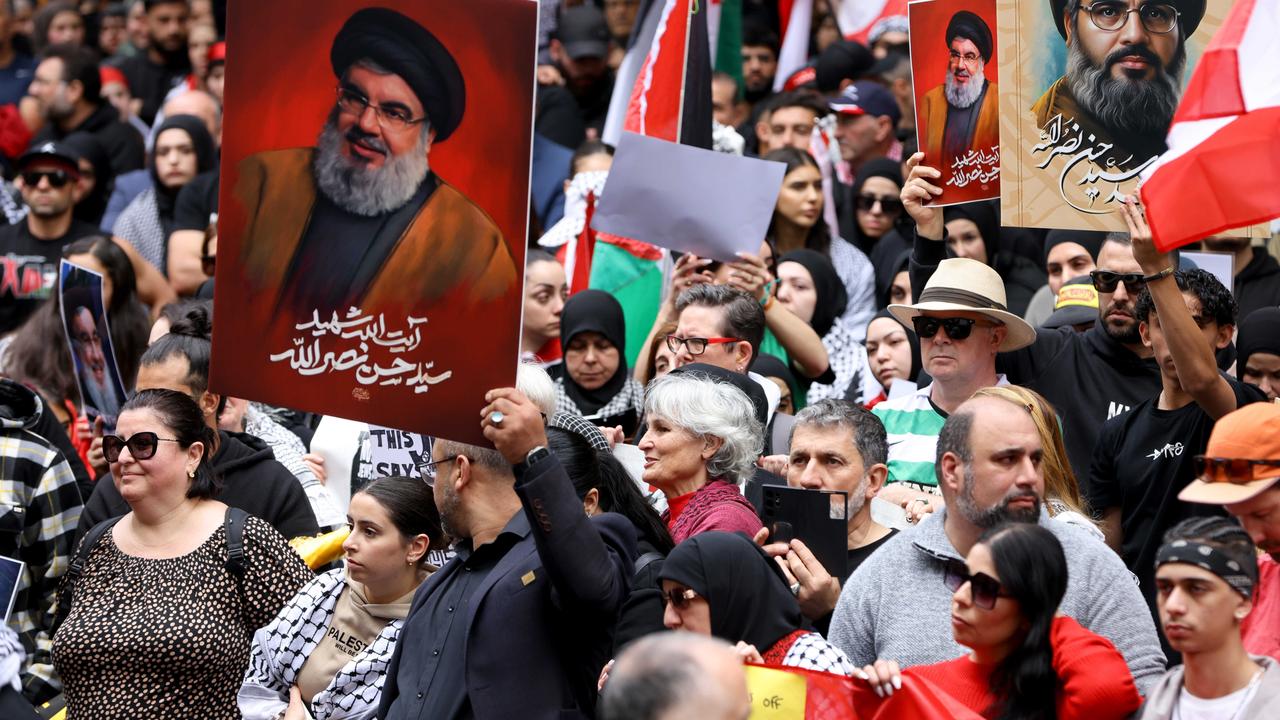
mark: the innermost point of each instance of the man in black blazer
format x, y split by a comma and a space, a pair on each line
520, 622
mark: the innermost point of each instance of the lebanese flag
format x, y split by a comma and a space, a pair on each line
797, 18
1222, 169
856, 17
576, 255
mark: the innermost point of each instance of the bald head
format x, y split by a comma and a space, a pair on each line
202, 105
676, 676
989, 462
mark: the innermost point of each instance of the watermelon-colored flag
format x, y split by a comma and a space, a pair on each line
1222, 169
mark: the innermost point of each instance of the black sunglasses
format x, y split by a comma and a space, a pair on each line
888, 205
984, 588
957, 328
680, 597
56, 178
1106, 281
142, 446
1237, 470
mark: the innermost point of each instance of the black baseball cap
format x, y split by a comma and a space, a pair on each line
51, 150
583, 32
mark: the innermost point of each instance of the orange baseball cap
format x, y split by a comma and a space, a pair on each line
1250, 433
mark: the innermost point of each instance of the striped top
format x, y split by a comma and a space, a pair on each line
912, 424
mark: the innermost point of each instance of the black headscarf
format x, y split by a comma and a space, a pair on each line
766, 365
879, 167
595, 311
832, 296
916, 363
1259, 332
748, 595
1090, 240
887, 272
93, 206
205, 159
982, 214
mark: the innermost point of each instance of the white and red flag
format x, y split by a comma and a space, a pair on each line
797, 20
1222, 169
856, 18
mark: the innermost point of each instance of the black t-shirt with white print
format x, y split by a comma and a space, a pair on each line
29, 269
1142, 461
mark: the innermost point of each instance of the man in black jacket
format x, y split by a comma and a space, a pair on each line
252, 479
153, 72
1089, 377
69, 89
520, 622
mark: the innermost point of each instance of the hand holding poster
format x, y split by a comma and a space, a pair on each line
378, 210
953, 59
1088, 93
688, 199
93, 357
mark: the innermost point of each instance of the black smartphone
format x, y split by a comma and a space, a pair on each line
817, 518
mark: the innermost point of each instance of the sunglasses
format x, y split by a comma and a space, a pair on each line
142, 446
888, 205
957, 328
1233, 470
680, 598
1106, 281
984, 588
56, 178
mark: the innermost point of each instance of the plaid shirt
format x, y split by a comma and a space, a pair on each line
39, 511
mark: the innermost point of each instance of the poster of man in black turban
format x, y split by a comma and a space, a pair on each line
374, 207
957, 98
1091, 87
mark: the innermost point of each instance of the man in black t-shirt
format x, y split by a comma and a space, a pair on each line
1144, 457
31, 250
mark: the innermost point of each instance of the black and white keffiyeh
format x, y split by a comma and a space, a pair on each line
282, 647
631, 398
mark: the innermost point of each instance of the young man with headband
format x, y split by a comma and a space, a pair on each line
1205, 576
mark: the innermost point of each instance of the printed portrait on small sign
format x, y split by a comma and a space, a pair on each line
374, 207
1089, 92
953, 69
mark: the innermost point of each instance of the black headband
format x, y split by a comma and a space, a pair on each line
1241, 579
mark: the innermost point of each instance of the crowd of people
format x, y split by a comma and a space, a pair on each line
1054, 455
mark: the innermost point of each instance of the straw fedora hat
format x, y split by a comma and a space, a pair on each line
964, 284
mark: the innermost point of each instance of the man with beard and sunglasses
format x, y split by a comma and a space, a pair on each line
360, 220
989, 468
1124, 70
1145, 457
963, 113
1089, 377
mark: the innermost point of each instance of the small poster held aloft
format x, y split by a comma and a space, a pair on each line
953, 63
687, 199
84, 321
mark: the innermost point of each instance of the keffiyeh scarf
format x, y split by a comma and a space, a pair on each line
282, 647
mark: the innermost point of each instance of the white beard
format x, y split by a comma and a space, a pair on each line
361, 190
962, 96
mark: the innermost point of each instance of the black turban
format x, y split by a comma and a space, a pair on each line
409, 50
1191, 12
969, 26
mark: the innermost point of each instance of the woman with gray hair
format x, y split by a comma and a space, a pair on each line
701, 444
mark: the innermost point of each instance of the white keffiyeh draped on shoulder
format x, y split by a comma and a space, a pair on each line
282, 647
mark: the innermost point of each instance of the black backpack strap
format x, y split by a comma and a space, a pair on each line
648, 559
234, 522
65, 596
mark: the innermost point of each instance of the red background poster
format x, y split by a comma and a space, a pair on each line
280, 88
929, 61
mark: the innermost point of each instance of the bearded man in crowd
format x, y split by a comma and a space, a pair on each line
1124, 70
360, 219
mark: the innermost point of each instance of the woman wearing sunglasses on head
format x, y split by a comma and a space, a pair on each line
325, 655
166, 598
1025, 661
724, 585
1205, 576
